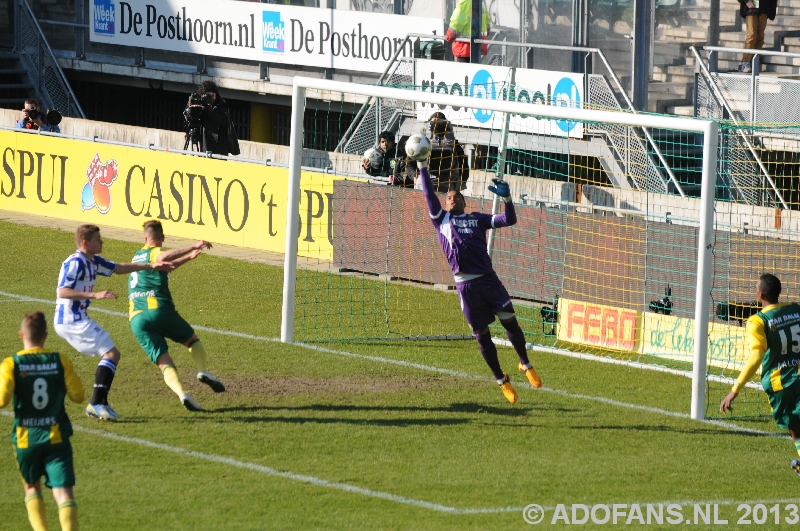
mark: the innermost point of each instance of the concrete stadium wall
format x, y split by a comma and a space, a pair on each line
743, 218
748, 218
174, 140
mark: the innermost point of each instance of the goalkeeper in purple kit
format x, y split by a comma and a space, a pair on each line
463, 240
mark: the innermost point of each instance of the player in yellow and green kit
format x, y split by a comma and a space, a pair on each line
773, 335
36, 381
153, 317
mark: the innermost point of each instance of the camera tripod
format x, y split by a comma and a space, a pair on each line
193, 139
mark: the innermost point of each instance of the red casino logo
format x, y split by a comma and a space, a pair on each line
96, 192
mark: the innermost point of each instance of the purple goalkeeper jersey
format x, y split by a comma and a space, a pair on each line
463, 237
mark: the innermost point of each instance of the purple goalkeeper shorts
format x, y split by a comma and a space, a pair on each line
481, 299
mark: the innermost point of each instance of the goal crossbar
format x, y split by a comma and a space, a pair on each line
705, 237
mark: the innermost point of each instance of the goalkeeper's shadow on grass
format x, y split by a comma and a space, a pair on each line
399, 423
467, 407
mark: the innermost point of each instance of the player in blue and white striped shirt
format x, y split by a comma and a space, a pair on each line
79, 273
75, 291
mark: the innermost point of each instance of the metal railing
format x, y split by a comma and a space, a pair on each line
346, 141
755, 52
741, 131
37, 58
372, 105
754, 71
587, 90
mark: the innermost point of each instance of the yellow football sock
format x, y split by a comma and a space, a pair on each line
35, 505
171, 377
198, 355
68, 515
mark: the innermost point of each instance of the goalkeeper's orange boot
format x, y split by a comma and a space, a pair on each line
533, 378
508, 391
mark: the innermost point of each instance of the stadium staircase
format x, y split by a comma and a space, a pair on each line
16, 85
630, 157
31, 69
683, 153
671, 90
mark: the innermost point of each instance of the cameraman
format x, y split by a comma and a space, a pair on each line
33, 118
214, 118
447, 159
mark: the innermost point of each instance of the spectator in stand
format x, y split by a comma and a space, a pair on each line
447, 161
461, 26
389, 160
382, 162
32, 117
405, 170
755, 13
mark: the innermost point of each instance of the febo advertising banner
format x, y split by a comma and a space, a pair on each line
220, 201
662, 336
537, 87
327, 38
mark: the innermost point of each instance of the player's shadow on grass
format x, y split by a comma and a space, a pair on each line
100, 425
673, 429
468, 407
509, 411
360, 422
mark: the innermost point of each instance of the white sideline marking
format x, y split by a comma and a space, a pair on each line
367, 492
627, 363
353, 489
287, 475
430, 368
497, 340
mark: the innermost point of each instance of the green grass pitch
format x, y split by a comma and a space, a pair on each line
363, 435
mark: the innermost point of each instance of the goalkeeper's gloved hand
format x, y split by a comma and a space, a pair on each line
501, 188
422, 163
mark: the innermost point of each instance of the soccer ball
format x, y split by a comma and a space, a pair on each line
418, 147
372, 157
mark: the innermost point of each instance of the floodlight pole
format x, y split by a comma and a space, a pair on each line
705, 239
292, 214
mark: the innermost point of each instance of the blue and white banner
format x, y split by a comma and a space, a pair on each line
326, 38
537, 87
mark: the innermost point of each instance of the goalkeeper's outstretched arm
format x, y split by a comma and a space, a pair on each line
434, 206
502, 190
508, 218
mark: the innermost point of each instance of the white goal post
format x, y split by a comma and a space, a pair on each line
708, 129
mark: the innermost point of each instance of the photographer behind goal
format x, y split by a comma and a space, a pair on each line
207, 120
32, 117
